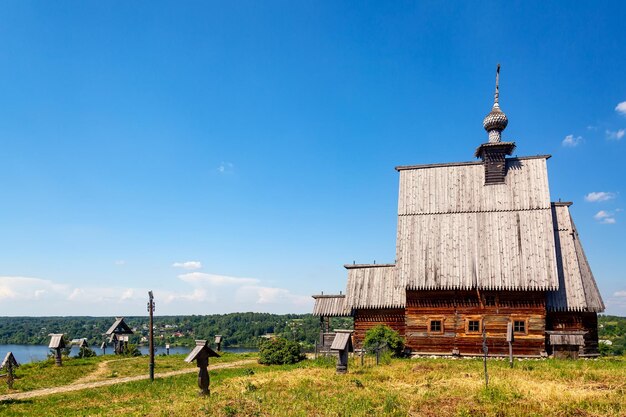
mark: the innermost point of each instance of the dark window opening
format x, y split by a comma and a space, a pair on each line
519, 326
473, 326
435, 326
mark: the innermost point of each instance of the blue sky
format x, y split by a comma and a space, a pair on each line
232, 156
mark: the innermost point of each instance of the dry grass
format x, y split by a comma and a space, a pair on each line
421, 387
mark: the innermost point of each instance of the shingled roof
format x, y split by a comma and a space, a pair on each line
119, 327
331, 306
577, 287
374, 286
455, 232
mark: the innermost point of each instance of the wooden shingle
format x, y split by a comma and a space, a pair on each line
577, 287
331, 306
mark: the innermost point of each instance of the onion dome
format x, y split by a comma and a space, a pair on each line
496, 121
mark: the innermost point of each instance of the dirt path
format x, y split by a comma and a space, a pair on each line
101, 370
97, 384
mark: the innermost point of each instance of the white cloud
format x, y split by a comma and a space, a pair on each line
605, 217
191, 293
271, 295
188, 265
620, 293
571, 141
621, 108
201, 278
599, 196
226, 167
615, 135
120, 262
27, 288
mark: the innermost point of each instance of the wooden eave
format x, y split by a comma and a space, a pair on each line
448, 164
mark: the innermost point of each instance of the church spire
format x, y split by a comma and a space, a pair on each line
494, 152
496, 121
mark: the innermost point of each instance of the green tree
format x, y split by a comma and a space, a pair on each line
279, 351
85, 352
380, 336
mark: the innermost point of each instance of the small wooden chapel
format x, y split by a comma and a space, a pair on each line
479, 245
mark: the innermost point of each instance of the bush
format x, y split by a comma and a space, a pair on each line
279, 351
381, 336
132, 350
85, 352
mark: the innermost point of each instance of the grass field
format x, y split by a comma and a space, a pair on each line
45, 374
417, 387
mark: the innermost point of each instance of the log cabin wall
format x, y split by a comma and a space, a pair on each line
571, 321
455, 310
365, 319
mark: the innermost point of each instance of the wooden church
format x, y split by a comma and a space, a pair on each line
479, 245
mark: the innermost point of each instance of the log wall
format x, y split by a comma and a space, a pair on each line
365, 319
493, 309
569, 321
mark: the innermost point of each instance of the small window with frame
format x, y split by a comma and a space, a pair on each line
473, 326
519, 326
435, 326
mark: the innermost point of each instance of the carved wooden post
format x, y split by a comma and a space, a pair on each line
343, 344
486, 352
9, 363
509, 338
218, 342
57, 342
203, 375
151, 333
201, 354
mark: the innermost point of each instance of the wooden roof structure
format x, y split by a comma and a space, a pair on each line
374, 286
202, 347
577, 287
57, 341
218, 339
82, 342
119, 327
9, 359
455, 232
331, 306
576, 338
342, 340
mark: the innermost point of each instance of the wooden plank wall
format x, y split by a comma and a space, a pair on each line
455, 308
365, 319
570, 320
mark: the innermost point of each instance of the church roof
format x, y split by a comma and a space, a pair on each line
577, 287
455, 232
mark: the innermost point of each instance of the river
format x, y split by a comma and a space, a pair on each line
34, 353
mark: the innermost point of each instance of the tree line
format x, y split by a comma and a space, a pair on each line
237, 329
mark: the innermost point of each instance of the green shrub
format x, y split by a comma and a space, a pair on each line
279, 351
132, 350
85, 352
380, 336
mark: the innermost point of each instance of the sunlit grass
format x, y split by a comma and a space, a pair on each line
418, 387
46, 374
